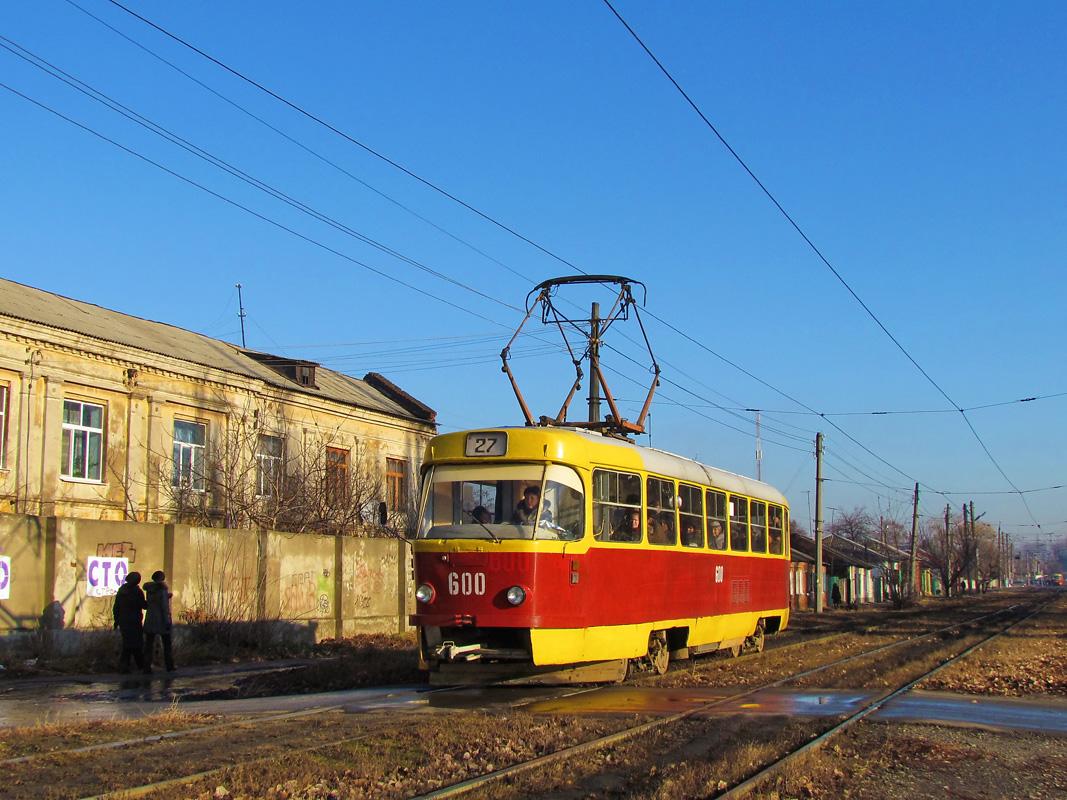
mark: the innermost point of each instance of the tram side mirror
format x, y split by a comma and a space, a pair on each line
383, 514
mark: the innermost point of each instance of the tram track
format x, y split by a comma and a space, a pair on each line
331, 736
768, 771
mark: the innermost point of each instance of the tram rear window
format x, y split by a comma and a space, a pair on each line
503, 502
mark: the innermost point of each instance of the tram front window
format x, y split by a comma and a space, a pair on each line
503, 502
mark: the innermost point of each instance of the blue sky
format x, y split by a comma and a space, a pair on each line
917, 145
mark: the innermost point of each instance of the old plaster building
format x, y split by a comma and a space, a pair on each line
108, 416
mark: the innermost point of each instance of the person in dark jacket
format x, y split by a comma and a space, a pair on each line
129, 603
157, 620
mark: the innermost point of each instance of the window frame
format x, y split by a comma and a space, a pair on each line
757, 519
198, 457
396, 483
5, 403
268, 465
611, 527
665, 507
717, 511
694, 515
336, 475
739, 523
779, 529
72, 433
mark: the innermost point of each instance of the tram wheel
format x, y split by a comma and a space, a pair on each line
735, 651
658, 654
755, 642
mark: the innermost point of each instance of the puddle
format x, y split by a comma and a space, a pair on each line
999, 712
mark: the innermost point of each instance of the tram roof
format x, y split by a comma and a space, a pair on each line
663, 463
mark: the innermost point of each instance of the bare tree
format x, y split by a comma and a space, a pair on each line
855, 525
951, 551
253, 476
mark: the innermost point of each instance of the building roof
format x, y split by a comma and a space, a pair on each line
835, 553
374, 392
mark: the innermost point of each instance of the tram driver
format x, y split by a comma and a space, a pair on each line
526, 510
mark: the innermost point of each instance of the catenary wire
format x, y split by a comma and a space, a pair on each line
299, 144
822, 258
572, 265
159, 130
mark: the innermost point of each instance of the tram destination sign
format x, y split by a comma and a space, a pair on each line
486, 444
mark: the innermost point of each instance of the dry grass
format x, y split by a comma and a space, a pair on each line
363, 660
419, 758
54, 736
1031, 659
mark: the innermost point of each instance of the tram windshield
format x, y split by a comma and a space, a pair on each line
513, 501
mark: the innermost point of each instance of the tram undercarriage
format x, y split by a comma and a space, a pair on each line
474, 656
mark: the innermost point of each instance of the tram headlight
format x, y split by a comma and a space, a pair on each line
425, 593
516, 595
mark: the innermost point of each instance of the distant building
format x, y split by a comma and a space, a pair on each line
108, 416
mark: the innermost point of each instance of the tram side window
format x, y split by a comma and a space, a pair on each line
691, 515
776, 524
758, 512
662, 528
716, 520
738, 524
616, 506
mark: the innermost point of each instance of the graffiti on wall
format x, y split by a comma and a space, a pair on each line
117, 550
306, 594
369, 582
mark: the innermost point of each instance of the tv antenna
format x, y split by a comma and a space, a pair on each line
241, 314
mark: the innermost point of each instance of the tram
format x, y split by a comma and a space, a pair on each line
549, 554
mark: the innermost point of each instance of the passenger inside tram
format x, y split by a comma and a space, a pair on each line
716, 539
629, 527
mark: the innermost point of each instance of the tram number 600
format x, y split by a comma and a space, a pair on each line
466, 583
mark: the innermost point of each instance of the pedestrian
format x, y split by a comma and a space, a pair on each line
157, 620
835, 595
129, 604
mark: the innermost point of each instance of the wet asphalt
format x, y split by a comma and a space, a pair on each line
65, 699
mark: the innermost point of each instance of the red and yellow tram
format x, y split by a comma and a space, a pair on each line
555, 554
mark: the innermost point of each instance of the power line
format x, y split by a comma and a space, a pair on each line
348, 138
299, 144
818, 253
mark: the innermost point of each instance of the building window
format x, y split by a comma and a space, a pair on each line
396, 478
268, 465
3, 425
83, 440
190, 439
336, 475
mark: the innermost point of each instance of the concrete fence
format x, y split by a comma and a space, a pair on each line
328, 586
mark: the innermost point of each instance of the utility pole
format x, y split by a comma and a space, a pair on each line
948, 551
966, 558
241, 314
594, 365
914, 535
759, 452
818, 525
